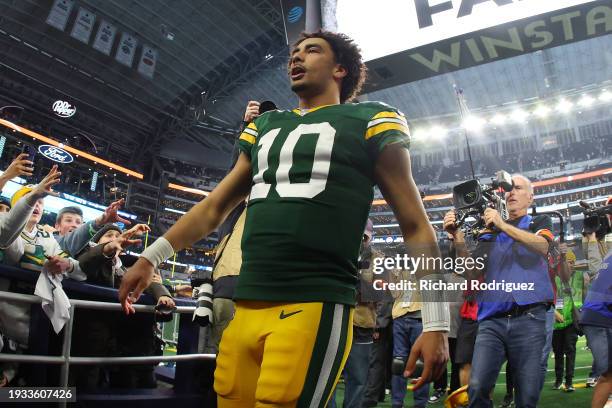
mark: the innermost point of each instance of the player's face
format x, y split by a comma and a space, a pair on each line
312, 67
68, 223
519, 198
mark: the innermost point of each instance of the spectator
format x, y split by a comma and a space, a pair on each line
596, 321
407, 326
105, 334
29, 247
74, 235
364, 321
228, 255
379, 372
5, 205
569, 301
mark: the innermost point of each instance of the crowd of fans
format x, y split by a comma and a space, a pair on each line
543, 160
65, 246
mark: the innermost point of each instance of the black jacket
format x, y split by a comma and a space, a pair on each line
99, 271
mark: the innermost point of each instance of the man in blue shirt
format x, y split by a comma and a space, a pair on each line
512, 318
596, 321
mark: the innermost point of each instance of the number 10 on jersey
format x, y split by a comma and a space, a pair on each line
320, 167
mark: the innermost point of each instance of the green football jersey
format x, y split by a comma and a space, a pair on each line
313, 178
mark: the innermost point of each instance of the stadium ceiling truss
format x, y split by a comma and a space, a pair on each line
206, 49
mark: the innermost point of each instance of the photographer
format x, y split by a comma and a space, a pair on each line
228, 256
511, 323
596, 244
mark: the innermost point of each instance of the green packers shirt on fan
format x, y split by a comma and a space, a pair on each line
313, 178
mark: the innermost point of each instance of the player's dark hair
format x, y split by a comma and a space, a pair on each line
348, 55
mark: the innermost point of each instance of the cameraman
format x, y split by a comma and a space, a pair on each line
597, 244
512, 323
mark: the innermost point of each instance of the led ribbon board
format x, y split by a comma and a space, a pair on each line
409, 40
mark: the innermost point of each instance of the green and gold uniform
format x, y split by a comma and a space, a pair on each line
313, 178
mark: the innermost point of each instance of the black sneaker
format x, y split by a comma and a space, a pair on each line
437, 396
558, 385
569, 388
508, 402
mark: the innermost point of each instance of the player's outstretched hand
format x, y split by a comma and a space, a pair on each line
134, 282
432, 348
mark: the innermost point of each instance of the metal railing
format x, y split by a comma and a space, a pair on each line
66, 359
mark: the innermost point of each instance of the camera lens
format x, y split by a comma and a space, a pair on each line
470, 197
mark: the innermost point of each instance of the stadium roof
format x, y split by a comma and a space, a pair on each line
212, 57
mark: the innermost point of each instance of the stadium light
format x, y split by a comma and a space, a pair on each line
473, 123
386, 225
606, 96
542, 111
498, 119
564, 106
419, 134
437, 132
586, 101
172, 210
519, 116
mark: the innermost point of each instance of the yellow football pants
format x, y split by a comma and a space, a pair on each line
282, 354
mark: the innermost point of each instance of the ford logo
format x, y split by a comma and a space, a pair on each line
55, 153
63, 109
294, 14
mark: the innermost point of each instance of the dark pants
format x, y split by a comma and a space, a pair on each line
550, 324
522, 340
93, 336
442, 382
379, 374
356, 375
135, 336
405, 333
564, 345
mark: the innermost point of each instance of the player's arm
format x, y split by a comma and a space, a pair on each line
200, 221
394, 178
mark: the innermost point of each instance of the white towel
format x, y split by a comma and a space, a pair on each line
55, 303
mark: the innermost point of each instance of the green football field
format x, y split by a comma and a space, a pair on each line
548, 399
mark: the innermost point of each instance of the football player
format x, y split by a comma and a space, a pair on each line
309, 174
